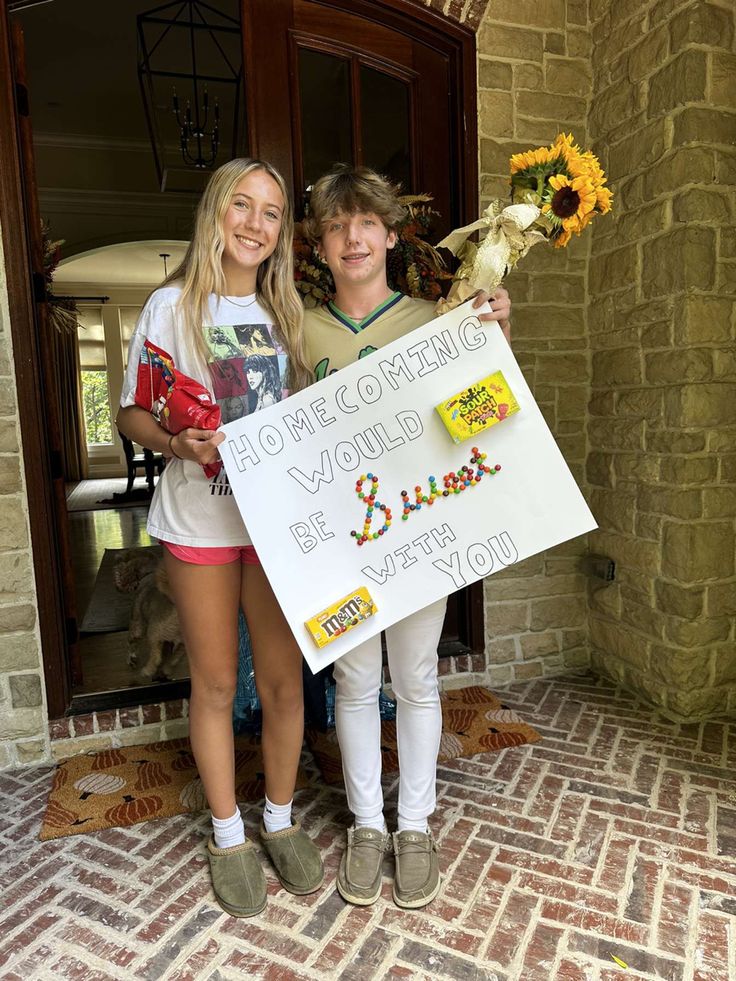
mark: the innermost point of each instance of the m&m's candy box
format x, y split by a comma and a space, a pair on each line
341, 616
477, 407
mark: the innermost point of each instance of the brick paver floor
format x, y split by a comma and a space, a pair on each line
614, 836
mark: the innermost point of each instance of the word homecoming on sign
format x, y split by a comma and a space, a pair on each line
394, 373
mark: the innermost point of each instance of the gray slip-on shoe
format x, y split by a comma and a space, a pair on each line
417, 876
361, 866
237, 878
296, 859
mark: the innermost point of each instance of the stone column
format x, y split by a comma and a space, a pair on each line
534, 81
662, 279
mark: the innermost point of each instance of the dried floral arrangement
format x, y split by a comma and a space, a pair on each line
62, 311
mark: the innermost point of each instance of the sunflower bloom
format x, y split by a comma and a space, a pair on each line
569, 152
533, 158
566, 140
571, 201
592, 167
561, 240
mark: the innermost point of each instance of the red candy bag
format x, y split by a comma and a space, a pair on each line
177, 401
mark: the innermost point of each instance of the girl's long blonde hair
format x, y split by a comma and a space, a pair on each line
200, 273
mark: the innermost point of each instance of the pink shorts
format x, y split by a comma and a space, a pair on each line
213, 556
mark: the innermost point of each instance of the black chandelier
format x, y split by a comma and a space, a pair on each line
190, 72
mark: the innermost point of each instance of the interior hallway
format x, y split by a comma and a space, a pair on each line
615, 835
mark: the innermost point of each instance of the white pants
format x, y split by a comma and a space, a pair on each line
412, 659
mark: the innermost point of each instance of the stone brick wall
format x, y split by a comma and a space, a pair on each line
662, 279
534, 80
23, 736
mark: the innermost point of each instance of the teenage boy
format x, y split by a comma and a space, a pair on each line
353, 218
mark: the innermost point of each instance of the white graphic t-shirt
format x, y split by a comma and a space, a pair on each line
247, 371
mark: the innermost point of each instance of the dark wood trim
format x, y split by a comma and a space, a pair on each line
467, 135
102, 701
38, 464
420, 23
356, 110
260, 46
475, 618
297, 143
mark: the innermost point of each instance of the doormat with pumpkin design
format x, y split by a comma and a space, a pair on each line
115, 788
473, 721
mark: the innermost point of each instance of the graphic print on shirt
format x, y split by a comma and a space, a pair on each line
248, 371
262, 366
220, 485
255, 339
222, 342
228, 378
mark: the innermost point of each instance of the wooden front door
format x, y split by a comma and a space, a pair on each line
383, 83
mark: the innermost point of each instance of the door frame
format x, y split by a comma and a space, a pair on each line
26, 291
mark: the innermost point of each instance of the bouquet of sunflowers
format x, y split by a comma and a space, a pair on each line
555, 192
566, 183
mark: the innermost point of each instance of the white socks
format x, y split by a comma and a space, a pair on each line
276, 817
375, 821
228, 832
405, 824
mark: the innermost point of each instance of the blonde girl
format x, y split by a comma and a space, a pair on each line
233, 292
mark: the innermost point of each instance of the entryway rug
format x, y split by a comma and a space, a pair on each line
115, 788
109, 609
474, 720
120, 787
102, 494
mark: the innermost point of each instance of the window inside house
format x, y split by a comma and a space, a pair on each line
93, 366
385, 112
128, 320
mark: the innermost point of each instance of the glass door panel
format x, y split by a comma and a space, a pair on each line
385, 115
326, 119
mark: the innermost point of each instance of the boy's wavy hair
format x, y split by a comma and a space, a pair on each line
200, 272
349, 190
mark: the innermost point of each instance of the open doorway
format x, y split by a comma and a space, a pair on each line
106, 167
108, 502
101, 182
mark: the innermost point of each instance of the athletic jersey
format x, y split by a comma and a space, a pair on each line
334, 340
247, 371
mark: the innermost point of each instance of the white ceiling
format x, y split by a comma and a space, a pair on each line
130, 264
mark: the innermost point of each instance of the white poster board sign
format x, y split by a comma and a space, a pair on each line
293, 469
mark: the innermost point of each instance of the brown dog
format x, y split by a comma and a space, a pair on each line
155, 645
